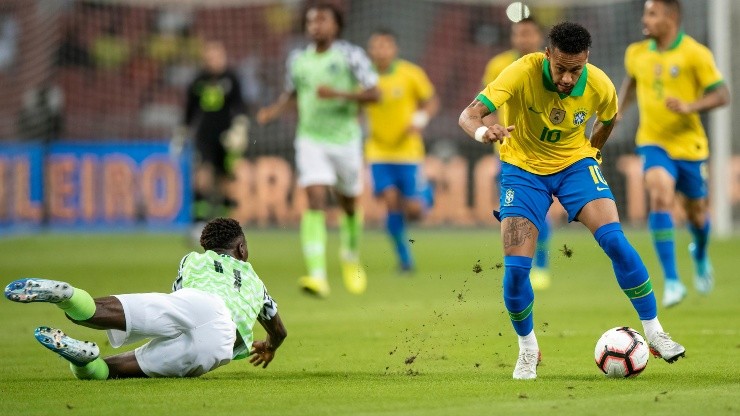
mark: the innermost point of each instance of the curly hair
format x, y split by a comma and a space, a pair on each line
324, 5
570, 38
221, 234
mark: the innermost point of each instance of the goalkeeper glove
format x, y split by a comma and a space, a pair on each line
235, 139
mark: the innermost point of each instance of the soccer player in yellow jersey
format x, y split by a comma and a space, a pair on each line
394, 147
526, 38
546, 153
674, 78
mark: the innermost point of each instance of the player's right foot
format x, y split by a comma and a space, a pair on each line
540, 278
38, 290
704, 272
76, 352
673, 293
355, 279
526, 365
662, 346
315, 286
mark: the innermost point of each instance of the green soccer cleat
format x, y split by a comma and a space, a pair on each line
38, 290
79, 353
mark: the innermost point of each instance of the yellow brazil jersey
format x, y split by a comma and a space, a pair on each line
494, 67
402, 87
550, 127
686, 70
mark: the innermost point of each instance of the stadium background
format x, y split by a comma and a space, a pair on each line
77, 75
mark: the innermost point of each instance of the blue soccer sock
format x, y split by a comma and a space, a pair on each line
660, 224
518, 294
541, 256
396, 226
701, 240
631, 273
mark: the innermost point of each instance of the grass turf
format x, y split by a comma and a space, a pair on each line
435, 343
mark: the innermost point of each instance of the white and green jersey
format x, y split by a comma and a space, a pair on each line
236, 283
343, 67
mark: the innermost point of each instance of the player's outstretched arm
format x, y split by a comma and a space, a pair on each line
718, 97
264, 351
626, 96
471, 121
368, 95
271, 112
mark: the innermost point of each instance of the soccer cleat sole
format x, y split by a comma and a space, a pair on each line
76, 352
38, 290
671, 360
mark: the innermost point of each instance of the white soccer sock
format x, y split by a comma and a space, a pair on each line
528, 342
652, 327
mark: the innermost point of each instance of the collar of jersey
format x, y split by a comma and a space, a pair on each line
578, 89
653, 45
391, 68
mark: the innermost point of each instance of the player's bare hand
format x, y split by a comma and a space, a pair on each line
262, 353
495, 133
677, 106
326, 92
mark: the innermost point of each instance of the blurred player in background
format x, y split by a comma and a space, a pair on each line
329, 79
216, 116
546, 153
526, 38
394, 147
674, 78
203, 324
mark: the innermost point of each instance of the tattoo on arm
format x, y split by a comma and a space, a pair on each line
517, 231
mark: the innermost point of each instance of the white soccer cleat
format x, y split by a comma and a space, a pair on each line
673, 293
77, 352
703, 274
38, 290
662, 346
526, 365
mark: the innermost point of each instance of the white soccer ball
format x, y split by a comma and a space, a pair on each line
621, 352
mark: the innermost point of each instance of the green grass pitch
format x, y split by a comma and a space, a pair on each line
437, 343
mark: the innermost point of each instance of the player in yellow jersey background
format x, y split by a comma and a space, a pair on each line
394, 147
526, 37
674, 78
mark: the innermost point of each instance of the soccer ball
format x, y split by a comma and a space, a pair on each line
621, 352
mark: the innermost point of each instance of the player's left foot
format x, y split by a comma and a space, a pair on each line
526, 364
540, 278
75, 351
355, 279
673, 293
38, 290
662, 346
315, 286
704, 272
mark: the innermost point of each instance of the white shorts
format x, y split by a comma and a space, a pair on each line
191, 332
337, 165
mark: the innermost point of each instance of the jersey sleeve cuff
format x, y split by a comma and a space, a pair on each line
608, 122
714, 86
482, 98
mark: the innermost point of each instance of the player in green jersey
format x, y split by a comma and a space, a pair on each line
328, 80
203, 324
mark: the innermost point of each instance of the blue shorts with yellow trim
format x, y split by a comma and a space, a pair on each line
524, 194
406, 177
690, 176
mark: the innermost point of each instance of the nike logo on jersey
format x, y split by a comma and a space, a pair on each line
602, 188
533, 110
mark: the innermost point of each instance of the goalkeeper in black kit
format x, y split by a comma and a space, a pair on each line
215, 116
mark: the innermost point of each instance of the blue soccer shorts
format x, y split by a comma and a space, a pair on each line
690, 176
525, 194
406, 177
